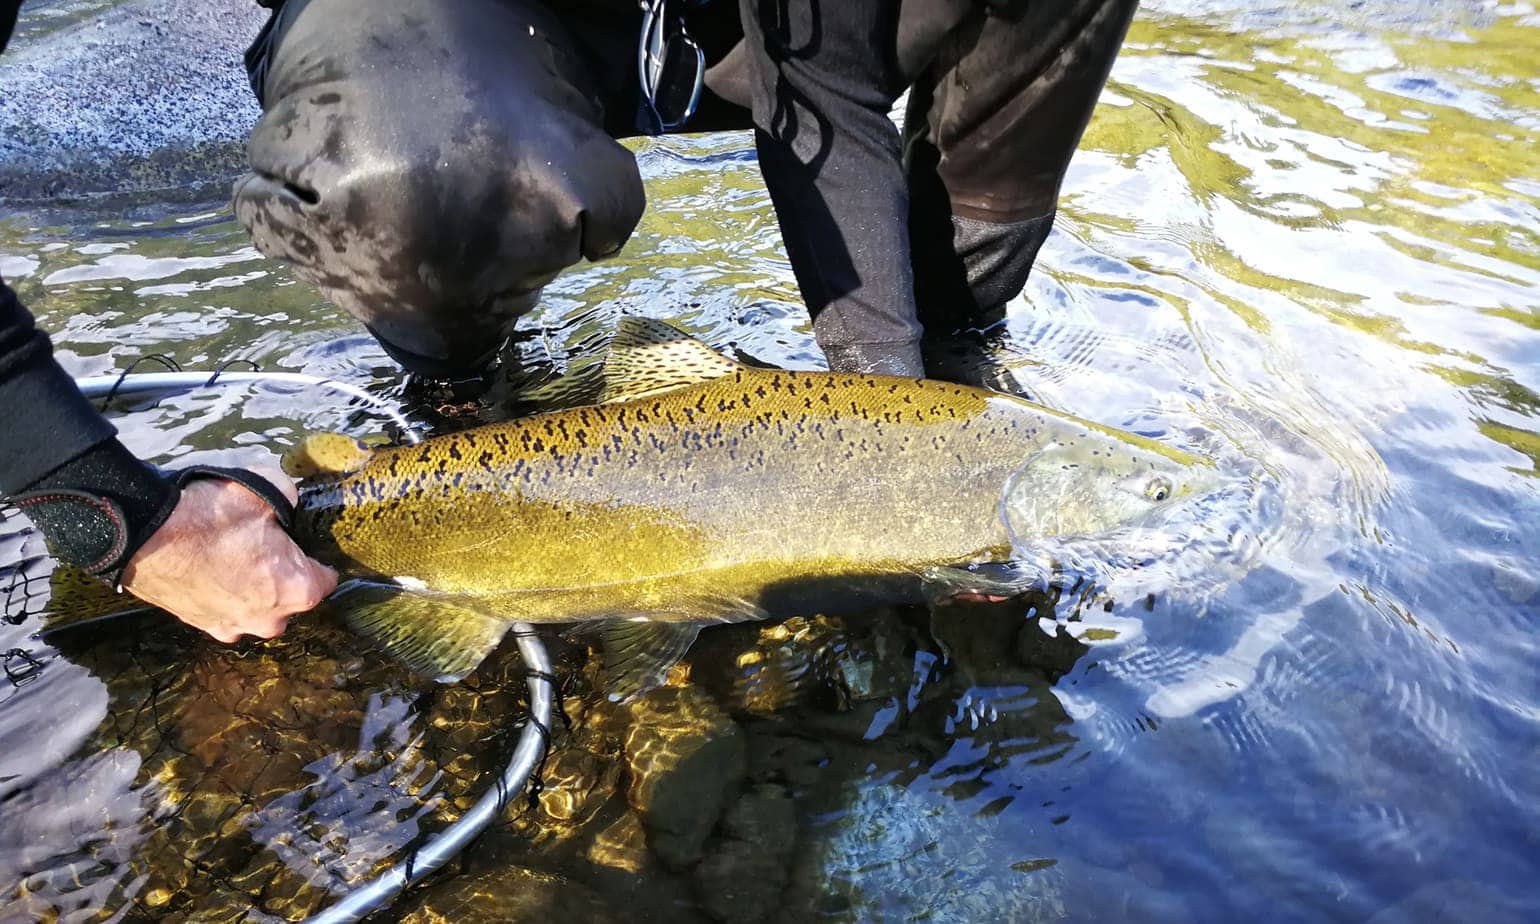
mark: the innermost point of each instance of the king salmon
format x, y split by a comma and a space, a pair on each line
697, 490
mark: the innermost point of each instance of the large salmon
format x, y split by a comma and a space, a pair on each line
698, 490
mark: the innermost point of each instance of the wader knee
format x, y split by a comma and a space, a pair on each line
429, 167
990, 129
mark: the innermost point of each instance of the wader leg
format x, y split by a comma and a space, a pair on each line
989, 133
430, 166
839, 195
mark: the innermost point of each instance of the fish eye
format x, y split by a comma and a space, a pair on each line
1158, 489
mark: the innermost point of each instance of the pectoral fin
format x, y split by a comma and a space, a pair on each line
639, 655
438, 637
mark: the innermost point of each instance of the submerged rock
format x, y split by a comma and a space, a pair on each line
759, 669
686, 760
746, 864
269, 776
900, 853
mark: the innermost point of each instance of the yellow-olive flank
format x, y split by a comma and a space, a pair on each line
692, 489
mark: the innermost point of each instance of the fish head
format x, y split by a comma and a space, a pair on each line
1098, 483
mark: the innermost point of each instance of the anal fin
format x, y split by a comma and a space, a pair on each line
638, 655
439, 637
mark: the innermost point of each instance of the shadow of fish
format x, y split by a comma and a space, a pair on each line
686, 489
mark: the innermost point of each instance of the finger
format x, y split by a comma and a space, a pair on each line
279, 479
312, 586
224, 636
312, 580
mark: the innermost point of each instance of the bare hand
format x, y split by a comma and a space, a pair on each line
222, 564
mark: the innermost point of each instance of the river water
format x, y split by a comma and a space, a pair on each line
1304, 239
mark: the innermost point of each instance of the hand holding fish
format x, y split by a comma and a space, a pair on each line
223, 564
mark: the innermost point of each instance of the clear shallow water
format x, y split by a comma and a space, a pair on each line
1307, 241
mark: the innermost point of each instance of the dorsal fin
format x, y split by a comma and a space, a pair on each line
325, 454
649, 356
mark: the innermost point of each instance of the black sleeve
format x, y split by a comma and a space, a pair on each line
54, 444
823, 79
44, 419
